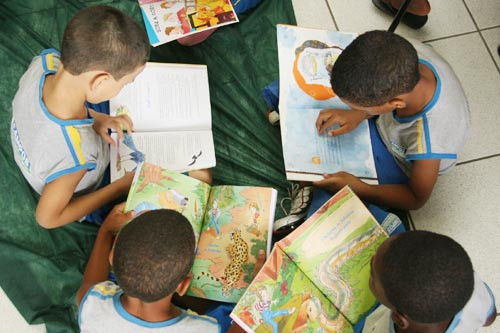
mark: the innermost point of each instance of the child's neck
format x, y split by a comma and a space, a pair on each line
421, 95
62, 95
158, 311
425, 328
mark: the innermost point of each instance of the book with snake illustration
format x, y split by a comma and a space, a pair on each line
169, 105
306, 57
316, 279
231, 225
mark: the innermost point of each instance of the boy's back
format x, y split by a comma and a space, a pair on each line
440, 129
103, 312
59, 146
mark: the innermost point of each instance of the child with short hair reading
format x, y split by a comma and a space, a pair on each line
59, 136
422, 116
151, 259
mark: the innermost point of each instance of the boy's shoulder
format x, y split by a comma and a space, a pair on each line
101, 308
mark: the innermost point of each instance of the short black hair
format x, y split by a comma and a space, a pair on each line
153, 253
103, 38
427, 276
376, 67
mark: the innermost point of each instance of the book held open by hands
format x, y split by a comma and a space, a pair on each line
169, 105
316, 279
306, 57
231, 225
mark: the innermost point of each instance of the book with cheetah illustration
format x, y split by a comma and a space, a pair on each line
231, 224
316, 279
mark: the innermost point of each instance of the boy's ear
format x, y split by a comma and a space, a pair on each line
183, 286
98, 80
400, 319
397, 103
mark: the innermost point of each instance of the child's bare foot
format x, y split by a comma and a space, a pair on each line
205, 175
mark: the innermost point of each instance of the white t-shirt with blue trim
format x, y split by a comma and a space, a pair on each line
472, 317
439, 130
102, 311
46, 147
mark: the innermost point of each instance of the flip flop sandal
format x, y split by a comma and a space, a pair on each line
411, 20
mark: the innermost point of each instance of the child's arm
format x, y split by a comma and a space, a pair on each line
348, 120
406, 196
57, 206
97, 269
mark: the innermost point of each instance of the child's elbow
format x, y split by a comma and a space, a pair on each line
44, 220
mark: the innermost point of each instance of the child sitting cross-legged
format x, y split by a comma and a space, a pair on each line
426, 284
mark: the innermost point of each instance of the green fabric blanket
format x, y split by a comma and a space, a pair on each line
42, 269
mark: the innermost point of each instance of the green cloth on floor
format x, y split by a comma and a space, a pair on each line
42, 269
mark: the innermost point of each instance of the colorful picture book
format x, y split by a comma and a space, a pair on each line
306, 57
231, 224
316, 279
169, 105
168, 20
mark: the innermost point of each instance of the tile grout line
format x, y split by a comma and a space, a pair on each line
331, 14
482, 37
490, 28
478, 159
451, 36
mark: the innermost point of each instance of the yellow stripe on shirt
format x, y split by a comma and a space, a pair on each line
75, 139
420, 133
50, 61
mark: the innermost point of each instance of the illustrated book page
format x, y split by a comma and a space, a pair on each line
328, 255
168, 20
169, 105
306, 57
231, 224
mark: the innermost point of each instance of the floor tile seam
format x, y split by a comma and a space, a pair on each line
450, 36
481, 35
478, 159
492, 54
490, 28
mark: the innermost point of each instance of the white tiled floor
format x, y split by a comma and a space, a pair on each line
466, 202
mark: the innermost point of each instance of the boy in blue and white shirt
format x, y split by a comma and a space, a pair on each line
151, 258
426, 283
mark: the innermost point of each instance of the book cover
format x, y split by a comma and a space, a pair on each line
169, 105
231, 224
168, 20
317, 277
306, 57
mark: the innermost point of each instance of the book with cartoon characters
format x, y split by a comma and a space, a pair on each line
169, 105
168, 20
306, 57
316, 278
231, 224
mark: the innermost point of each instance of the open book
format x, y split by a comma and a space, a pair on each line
306, 57
170, 107
231, 225
316, 278
167, 20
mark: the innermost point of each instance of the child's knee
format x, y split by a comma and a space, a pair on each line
205, 175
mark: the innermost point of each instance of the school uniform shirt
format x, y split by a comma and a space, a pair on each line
439, 130
102, 311
45, 147
478, 309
